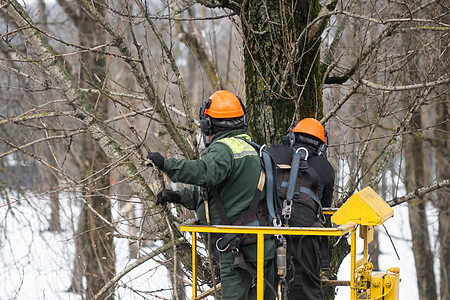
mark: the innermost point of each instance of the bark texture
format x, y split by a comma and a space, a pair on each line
414, 177
442, 152
97, 245
282, 74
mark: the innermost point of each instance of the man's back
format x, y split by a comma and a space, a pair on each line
313, 185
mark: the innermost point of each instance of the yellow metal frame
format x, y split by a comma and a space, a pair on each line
364, 208
385, 286
260, 232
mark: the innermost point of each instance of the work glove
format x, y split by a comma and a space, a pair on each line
156, 159
169, 197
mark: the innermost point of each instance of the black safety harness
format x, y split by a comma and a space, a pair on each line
288, 189
257, 214
299, 163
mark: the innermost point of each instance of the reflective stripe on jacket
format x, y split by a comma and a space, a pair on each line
229, 164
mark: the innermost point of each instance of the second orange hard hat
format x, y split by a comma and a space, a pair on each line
312, 127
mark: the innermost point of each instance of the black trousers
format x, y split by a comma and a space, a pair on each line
304, 268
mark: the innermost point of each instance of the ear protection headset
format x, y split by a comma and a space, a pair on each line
289, 138
322, 150
205, 121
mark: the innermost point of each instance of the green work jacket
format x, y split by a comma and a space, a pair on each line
229, 164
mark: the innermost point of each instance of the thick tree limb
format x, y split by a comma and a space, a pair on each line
233, 5
324, 15
419, 192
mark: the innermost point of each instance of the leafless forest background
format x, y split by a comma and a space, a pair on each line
88, 88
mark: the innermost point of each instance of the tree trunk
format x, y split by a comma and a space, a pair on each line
97, 245
55, 220
443, 172
442, 201
414, 177
442, 154
78, 270
282, 75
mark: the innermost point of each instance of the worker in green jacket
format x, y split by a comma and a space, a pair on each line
229, 172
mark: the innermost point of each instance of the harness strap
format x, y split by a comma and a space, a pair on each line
271, 194
250, 211
303, 190
270, 169
222, 244
219, 206
325, 253
299, 162
297, 269
295, 164
309, 192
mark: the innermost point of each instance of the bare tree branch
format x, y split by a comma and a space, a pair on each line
341, 102
76, 97
198, 50
142, 79
419, 192
405, 87
173, 65
137, 263
386, 33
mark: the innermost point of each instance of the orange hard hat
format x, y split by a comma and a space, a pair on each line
312, 127
224, 105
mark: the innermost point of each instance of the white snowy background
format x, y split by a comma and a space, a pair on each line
36, 263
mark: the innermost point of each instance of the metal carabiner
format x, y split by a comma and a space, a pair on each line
304, 149
261, 149
276, 223
287, 209
218, 248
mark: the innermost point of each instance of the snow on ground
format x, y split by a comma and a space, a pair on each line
36, 264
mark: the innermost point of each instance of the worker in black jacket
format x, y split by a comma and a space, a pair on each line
303, 198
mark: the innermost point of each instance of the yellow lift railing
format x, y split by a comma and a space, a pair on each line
365, 209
